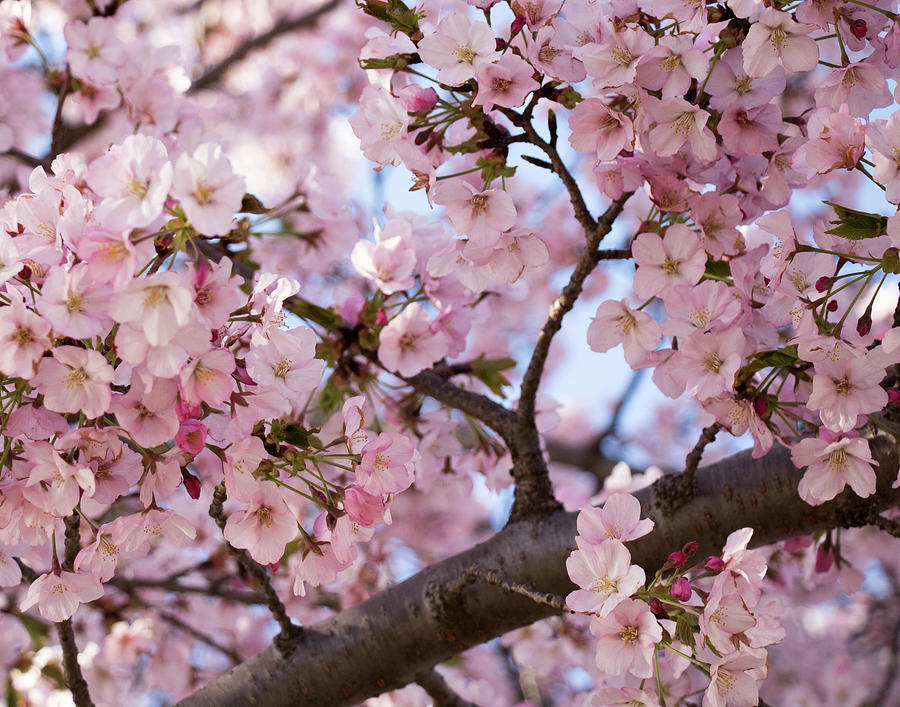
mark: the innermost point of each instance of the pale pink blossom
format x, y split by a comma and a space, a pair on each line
596, 128
209, 191
606, 577
408, 344
833, 464
388, 262
505, 83
778, 39
845, 389
613, 62
679, 123
208, 378
619, 518
626, 639
58, 594
458, 48
75, 380
733, 679
94, 51
23, 339
133, 180
615, 322
73, 304
675, 259
156, 304
287, 362
265, 527
481, 214
387, 464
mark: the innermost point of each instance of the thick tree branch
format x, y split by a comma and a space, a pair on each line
385, 642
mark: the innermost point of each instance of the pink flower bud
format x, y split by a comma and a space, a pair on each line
656, 606
381, 318
823, 283
191, 437
191, 484
275, 565
761, 405
676, 559
864, 325
691, 547
893, 395
832, 306
186, 411
714, 563
517, 25
681, 589
417, 99
824, 559
859, 28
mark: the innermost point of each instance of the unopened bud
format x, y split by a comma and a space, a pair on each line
864, 325
25, 273
275, 565
676, 559
859, 28
381, 318
832, 306
191, 484
517, 25
823, 283
656, 606
681, 589
893, 395
761, 405
824, 559
714, 563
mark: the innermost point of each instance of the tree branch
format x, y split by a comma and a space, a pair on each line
533, 492
74, 678
439, 691
386, 641
284, 26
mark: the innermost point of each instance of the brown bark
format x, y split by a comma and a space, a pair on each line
386, 641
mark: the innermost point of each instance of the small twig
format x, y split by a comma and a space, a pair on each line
74, 678
496, 579
23, 157
169, 585
58, 131
439, 691
693, 458
284, 26
286, 640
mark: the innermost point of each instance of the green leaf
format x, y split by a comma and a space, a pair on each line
856, 225
327, 318
779, 358
686, 625
718, 269
489, 372
37, 631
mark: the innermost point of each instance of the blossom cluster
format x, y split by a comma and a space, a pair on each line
708, 614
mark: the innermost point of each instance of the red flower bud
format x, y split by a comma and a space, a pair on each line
517, 25
275, 565
823, 283
864, 325
714, 563
656, 606
832, 306
191, 484
676, 559
824, 559
25, 272
859, 28
893, 395
681, 589
761, 405
381, 318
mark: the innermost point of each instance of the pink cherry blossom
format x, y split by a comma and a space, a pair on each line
387, 464
626, 639
616, 323
75, 380
58, 594
208, 190
831, 465
408, 343
265, 527
458, 48
606, 577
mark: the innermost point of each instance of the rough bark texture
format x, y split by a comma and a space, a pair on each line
384, 642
